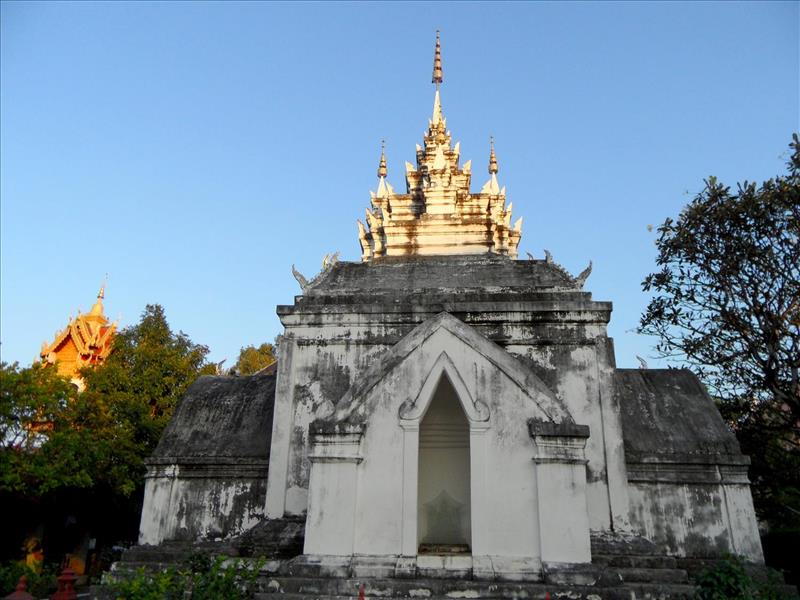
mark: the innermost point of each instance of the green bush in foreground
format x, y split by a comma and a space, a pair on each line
203, 578
728, 580
40, 585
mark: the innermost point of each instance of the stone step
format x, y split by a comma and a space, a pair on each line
175, 552
288, 588
144, 554
267, 596
622, 593
130, 567
263, 596
634, 561
639, 575
672, 593
622, 544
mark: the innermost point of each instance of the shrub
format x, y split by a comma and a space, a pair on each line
203, 578
234, 581
40, 585
728, 580
165, 585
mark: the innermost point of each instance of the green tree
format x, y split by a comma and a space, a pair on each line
28, 398
32, 404
252, 359
727, 303
145, 376
88, 457
57, 438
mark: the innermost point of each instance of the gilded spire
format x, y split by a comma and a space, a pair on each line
438, 214
493, 168
97, 309
438, 77
382, 164
492, 187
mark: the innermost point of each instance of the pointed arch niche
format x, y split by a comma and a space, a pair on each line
443, 505
444, 462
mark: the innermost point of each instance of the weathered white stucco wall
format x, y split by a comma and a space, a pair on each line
687, 517
498, 396
327, 348
187, 503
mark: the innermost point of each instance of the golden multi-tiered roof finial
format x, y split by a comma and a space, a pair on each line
97, 309
493, 168
382, 165
438, 214
438, 77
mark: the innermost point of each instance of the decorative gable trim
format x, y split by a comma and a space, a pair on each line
352, 408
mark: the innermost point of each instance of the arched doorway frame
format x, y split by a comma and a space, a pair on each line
479, 419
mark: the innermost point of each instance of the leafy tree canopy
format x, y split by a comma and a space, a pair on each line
727, 303
56, 438
30, 398
146, 375
98, 438
252, 359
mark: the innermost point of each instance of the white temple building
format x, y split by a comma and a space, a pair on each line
442, 407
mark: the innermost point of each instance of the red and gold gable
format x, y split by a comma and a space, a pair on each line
86, 340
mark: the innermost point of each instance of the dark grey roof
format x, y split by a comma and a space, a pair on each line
667, 413
409, 273
222, 417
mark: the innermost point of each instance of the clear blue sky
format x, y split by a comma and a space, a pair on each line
194, 151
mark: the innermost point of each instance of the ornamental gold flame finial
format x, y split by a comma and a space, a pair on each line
438, 76
382, 165
97, 308
493, 168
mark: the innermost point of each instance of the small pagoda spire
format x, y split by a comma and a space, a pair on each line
438, 75
493, 168
97, 309
382, 164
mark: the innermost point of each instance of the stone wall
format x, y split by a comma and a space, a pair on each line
521, 343
366, 462
356, 312
207, 479
689, 491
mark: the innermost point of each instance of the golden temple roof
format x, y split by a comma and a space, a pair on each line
438, 214
86, 340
